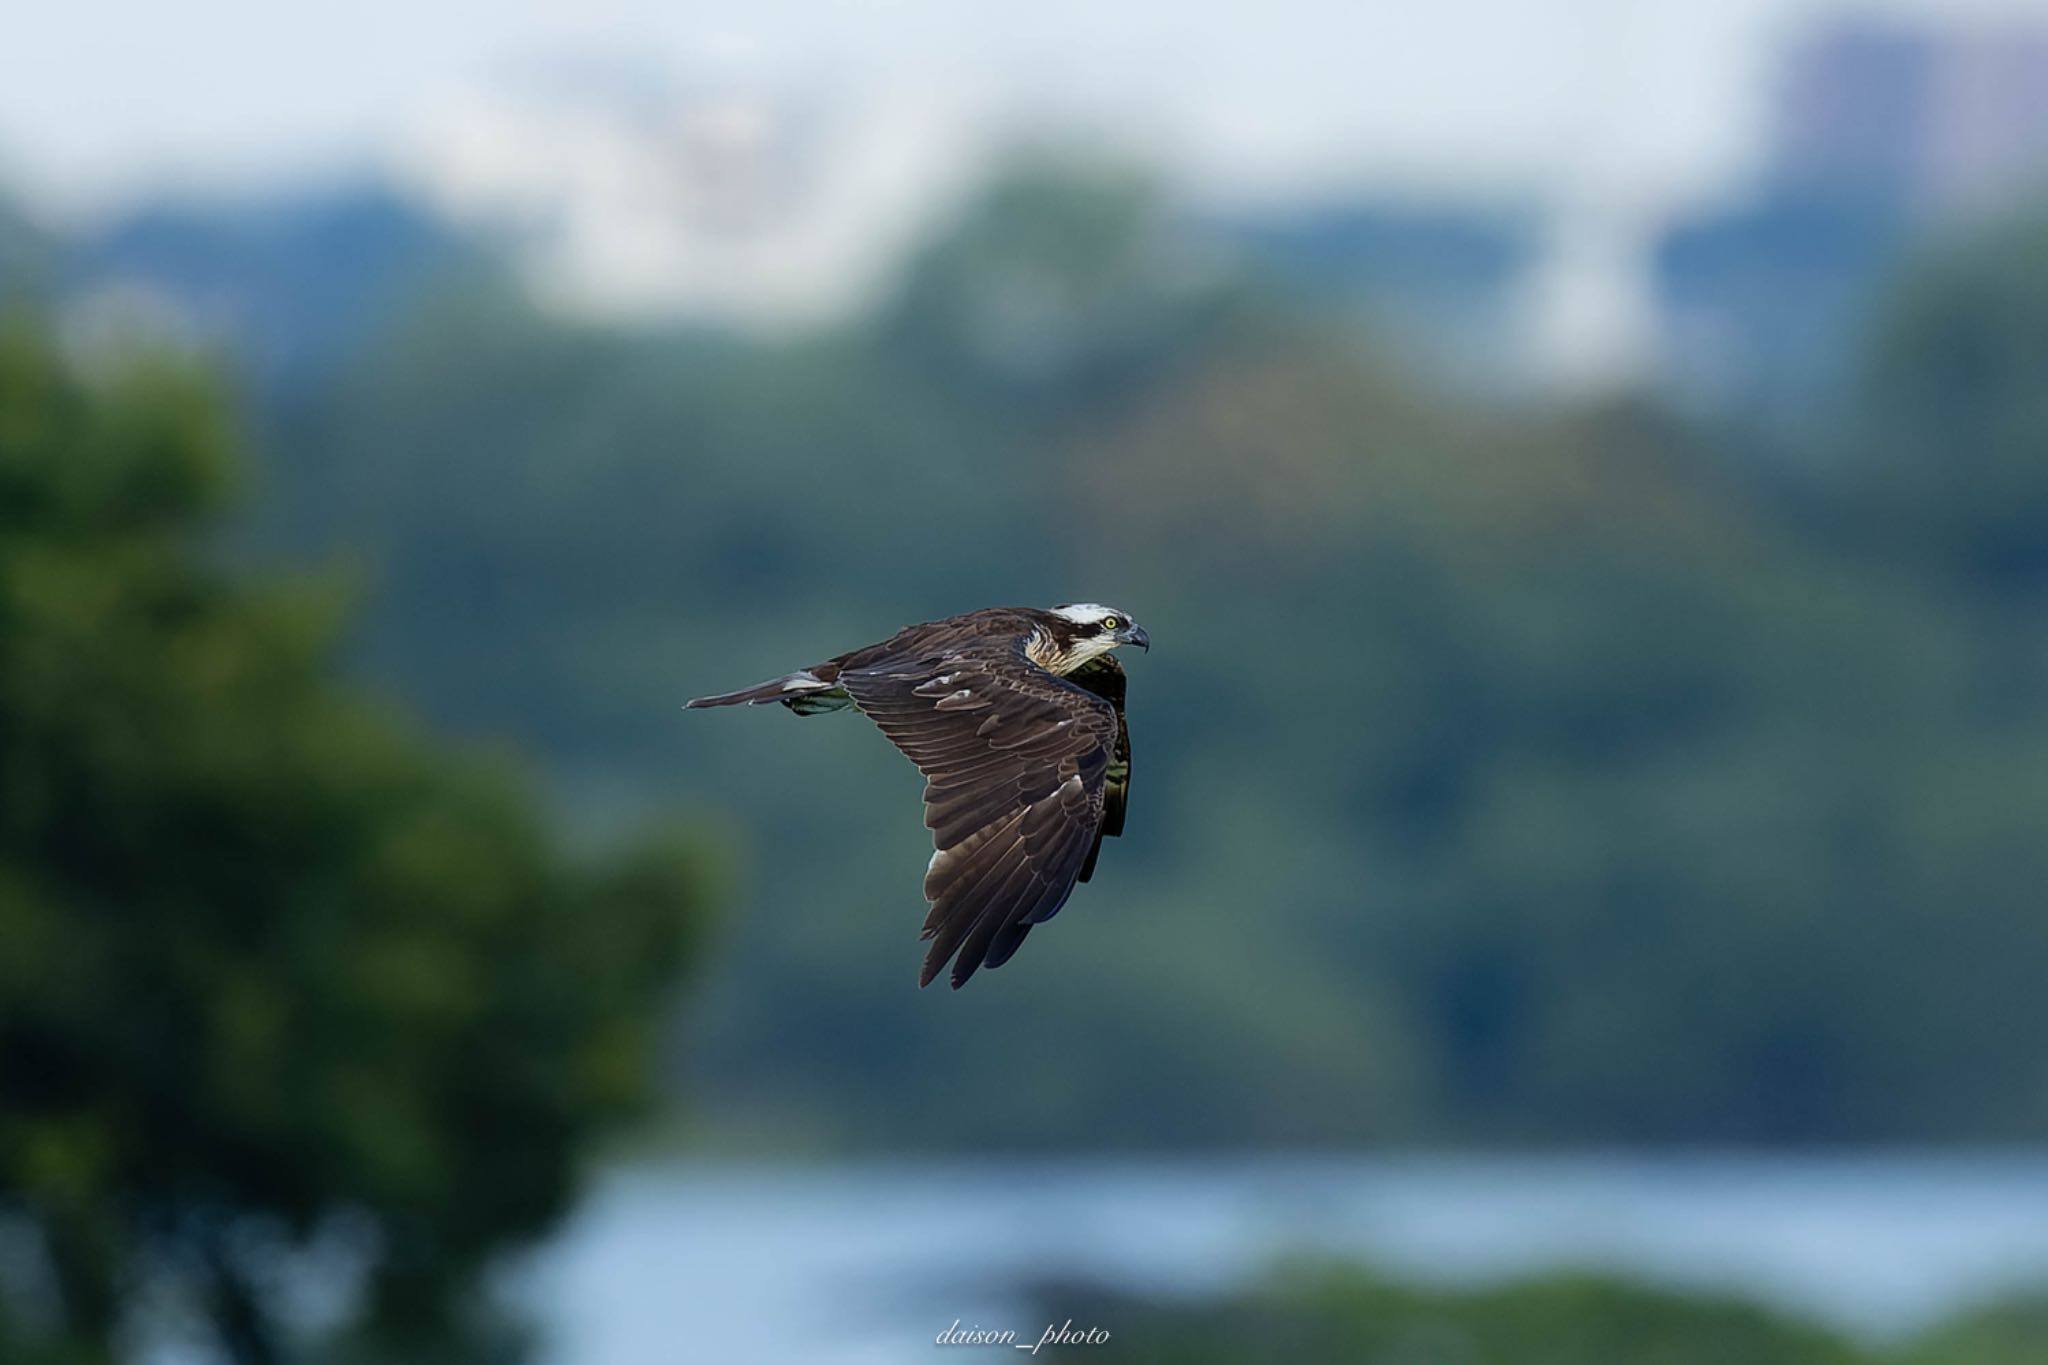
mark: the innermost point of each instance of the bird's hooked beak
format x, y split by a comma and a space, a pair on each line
1134, 634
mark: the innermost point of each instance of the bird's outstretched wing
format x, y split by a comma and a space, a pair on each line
1015, 762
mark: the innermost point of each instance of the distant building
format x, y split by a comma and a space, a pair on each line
676, 197
1940, 122
1880, 135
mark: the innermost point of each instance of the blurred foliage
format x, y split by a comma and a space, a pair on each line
1062, 285
1956, 416
286, 996
1501, 776
1334, 1315
26, 257
2014, 1329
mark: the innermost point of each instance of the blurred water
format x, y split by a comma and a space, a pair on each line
870, 1263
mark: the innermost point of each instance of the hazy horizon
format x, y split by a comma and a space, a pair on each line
1300, 97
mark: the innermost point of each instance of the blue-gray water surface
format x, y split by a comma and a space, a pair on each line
870, 1263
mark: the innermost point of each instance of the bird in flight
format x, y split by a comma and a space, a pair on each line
1015, 716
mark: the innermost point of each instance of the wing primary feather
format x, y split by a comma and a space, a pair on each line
1005, 944
1094, 852
1016, 762
959, 908
1039, 902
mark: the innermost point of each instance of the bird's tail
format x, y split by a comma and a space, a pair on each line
791, 687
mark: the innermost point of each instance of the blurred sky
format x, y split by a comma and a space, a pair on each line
99, 101
620, 142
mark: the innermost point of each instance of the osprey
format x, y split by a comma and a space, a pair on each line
1015, 716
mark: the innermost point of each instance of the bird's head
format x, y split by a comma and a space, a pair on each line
1098, 629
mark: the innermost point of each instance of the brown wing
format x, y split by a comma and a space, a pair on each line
1104, 676
1014, 761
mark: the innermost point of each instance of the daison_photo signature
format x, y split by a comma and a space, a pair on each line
1063, 1334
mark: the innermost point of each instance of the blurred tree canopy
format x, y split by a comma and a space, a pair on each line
1955, 420
25, 252
278, 980
1063, 285
1311, 1313
1502, 775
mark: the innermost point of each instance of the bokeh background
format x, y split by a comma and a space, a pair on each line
1584, 467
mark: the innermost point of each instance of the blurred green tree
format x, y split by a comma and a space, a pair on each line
1956, 418
1063, 285
1651, 808
276, 979
2011, 1329
1312, 1313
1322, 1313
25, 257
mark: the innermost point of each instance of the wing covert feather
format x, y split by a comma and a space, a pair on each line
1015, 762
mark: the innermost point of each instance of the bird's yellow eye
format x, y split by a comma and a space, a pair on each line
1112, 623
